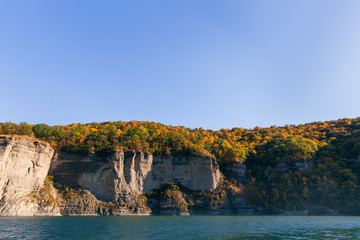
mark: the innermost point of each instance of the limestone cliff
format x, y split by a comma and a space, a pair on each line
117, 176
24, 164
35, 180
237, 170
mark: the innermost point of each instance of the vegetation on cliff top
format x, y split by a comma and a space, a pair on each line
334, 147
227, 145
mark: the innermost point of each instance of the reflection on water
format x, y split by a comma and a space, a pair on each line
187, 227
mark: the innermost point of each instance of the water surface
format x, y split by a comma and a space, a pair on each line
181, 227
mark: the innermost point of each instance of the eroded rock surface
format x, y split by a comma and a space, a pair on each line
24, 164
117, 176
238, 171
119, 183
302, 165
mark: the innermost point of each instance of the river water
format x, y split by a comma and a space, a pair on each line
181, 227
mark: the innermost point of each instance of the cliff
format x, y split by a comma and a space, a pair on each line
116, 183
24, 164
308, 167
116, 176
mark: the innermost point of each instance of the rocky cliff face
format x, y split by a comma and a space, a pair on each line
238, 171
302, 165
24, 164
120, 183
117, 176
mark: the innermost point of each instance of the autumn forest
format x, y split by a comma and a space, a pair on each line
333, 148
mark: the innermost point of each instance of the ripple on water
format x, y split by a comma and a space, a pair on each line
187, 227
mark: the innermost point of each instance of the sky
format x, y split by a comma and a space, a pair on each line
204, 63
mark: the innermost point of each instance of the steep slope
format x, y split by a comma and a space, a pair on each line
107, 184
24, 164
115, 177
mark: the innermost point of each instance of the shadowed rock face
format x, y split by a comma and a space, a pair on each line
238, 171
118, 175
24, 164
302, 165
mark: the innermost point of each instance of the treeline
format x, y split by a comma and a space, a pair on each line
333, 146
288, 143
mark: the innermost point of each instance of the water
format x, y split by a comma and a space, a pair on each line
181, 227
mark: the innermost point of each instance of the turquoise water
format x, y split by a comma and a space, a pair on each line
181, 227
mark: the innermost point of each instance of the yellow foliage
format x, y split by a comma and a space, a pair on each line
118, 132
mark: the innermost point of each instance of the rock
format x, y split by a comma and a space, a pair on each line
302, 165
80, 202
89, 185
237, 170
241, 206
24, 164
118, 175
193, 172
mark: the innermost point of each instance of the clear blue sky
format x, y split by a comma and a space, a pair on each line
212, 64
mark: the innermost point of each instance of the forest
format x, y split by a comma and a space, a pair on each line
333, 147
